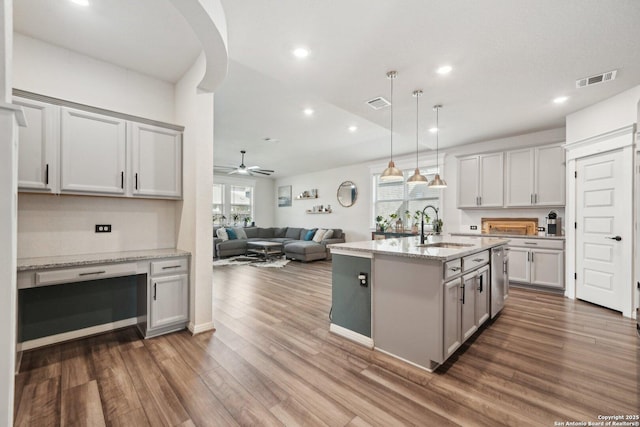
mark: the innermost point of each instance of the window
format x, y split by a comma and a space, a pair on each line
398, 197
232, 204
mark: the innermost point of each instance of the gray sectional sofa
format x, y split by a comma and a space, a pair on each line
292, 239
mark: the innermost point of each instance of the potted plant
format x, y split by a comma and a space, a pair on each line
379, 222
235, 217
417, 216
437, 226
246, 220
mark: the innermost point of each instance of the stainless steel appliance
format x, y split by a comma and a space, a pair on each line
499, 278
554, 224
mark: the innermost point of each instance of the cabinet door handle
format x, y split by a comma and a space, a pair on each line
170, 266
136, 180
528, 256
46, 174
154, 291
454, 268
122, 179
480, 200
462, 293
531, 198
531, 256
92, 273
480, 288
535, 198
616, 238
478, 260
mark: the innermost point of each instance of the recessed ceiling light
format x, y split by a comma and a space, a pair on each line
353, 128
445, 69
300, 52
560, 99
308, 111
433, 129
81, 2
269, 139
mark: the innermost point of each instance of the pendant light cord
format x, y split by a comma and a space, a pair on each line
392, 77
417, 119
437, 107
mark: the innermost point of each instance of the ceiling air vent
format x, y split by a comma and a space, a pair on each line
598, 78
378, 103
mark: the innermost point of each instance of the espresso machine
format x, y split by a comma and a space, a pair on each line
554, 224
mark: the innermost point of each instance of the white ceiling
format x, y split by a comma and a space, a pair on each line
509, 58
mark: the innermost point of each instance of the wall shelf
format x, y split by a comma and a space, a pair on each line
312, 212
306, 197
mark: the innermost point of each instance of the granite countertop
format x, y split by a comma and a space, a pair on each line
408, 246
39, 263
509, 236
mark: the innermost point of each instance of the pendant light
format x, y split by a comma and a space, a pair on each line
437, 181
417, 178
391, 173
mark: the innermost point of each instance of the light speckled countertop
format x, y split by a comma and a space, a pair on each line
509, 236
39, 263
408, 246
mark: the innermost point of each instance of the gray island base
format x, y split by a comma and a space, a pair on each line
417, 302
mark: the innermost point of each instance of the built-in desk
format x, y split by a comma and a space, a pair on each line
67, 297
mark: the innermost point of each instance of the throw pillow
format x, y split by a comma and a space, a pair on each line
319, 235
240, 233
327, 235
222, 234
232, 234
309, 235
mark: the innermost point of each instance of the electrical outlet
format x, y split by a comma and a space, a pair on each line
540, 228
473, 227
363, 278
103, 228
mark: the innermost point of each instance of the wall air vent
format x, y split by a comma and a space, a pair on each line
598, 78
378, 103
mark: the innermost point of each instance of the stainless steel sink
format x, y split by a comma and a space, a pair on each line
447, 245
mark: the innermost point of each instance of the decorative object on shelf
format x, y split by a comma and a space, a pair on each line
320, 209
284, 196
399, 226
235, 217
437, 226
347, 194
310, 194
417, 178
246, 220
391, 173
437, 181
381, 223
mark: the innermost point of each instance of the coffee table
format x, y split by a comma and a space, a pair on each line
265, 249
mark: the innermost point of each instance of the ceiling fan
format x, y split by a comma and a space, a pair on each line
242, 169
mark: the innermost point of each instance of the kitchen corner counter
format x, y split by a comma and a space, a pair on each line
509, 236
410, 246
41, 263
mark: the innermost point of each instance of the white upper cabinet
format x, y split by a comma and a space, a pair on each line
480, 181
37, 151
93, 152
535, 177
157, 161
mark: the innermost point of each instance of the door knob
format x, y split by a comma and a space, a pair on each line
617, 238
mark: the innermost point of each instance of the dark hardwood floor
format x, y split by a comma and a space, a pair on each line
272, 361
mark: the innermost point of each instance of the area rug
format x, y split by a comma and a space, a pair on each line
256, 262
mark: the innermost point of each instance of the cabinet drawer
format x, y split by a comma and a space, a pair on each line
475, 260
83, 274
174, 265
452, 268
537, 243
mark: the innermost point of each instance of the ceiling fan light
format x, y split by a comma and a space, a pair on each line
391, 173
437, 182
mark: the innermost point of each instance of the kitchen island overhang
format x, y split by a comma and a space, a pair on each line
422, 300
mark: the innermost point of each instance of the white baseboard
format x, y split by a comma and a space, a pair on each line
203, 327
80, 333
408, 362
350, 335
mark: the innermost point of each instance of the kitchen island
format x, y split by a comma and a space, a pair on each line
416, 302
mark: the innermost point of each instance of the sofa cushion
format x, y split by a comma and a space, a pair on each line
319, 235
337, 234
251, 232
221, 233
266, 233
231, 233
280, 232
328, 234
309, 235
240, 233
230, 245
304, 247
294, 233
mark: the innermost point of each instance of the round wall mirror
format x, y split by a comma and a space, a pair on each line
347, 194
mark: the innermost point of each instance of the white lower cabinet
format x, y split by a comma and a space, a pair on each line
468, 305
452, 309
482, 296
537, 262
167, 296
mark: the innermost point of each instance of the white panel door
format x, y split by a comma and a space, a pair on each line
37, 147
550, 176
603, 235
468, 306
491, 180
157, 161
451, 325
519, 178
482, 296
169, 300
93, 152
547, 267
468, 171
519, 270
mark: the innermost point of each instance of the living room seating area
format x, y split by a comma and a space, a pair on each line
302, 244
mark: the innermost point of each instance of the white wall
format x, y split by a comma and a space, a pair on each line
60, 73
611, 114
195, 228
65, 225
49, 225
354, 221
